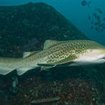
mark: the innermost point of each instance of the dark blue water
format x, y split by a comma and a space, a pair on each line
77, 13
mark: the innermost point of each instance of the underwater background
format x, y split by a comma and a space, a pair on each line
79, 14
25, 25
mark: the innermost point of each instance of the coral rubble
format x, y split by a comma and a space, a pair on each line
56, 92
47, 100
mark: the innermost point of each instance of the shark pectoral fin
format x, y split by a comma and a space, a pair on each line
21, 71
74, 64
77, 64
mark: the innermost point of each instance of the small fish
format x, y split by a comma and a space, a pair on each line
98, 29
103, 19
86, 3
95, 15
14, 85
91, 27
89, 17
56, 53
99, 10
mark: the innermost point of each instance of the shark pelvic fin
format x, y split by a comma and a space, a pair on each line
46, 66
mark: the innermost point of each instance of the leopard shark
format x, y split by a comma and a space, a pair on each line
56, 54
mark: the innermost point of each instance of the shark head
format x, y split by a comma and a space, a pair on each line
92, 56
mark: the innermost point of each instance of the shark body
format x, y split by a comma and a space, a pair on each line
55, 53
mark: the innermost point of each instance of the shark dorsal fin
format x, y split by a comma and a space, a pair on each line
26, 54
50, 43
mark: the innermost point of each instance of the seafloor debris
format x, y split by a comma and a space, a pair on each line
45, 100
71, 91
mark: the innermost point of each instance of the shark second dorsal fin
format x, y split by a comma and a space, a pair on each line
26, 54
50, 43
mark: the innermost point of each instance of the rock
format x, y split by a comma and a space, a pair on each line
2, 98
21, 24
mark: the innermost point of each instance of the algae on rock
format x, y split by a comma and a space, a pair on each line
19, 25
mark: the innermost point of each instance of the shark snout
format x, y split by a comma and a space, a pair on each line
101, 59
